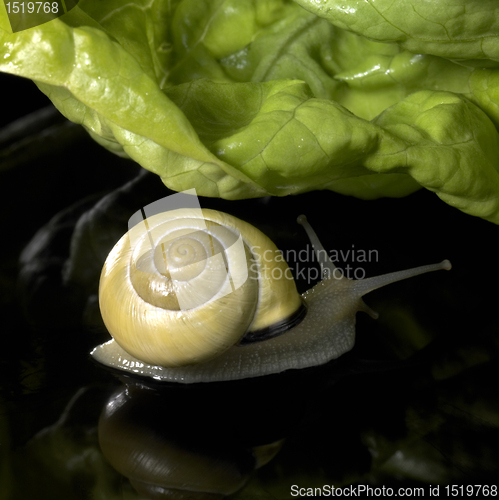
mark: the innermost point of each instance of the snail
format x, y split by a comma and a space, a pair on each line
202, 296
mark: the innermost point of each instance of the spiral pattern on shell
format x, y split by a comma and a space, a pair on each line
180, 288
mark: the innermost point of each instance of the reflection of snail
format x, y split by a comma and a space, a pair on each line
192, 299
152, 439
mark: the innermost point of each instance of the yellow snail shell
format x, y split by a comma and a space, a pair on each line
179, 292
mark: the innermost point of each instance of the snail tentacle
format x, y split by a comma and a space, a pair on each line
328, 269
370, 284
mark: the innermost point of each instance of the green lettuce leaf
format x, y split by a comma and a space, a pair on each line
248, 98
459, 29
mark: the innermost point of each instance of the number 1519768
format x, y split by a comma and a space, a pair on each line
32, 7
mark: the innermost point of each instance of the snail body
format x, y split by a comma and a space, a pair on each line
192, 297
